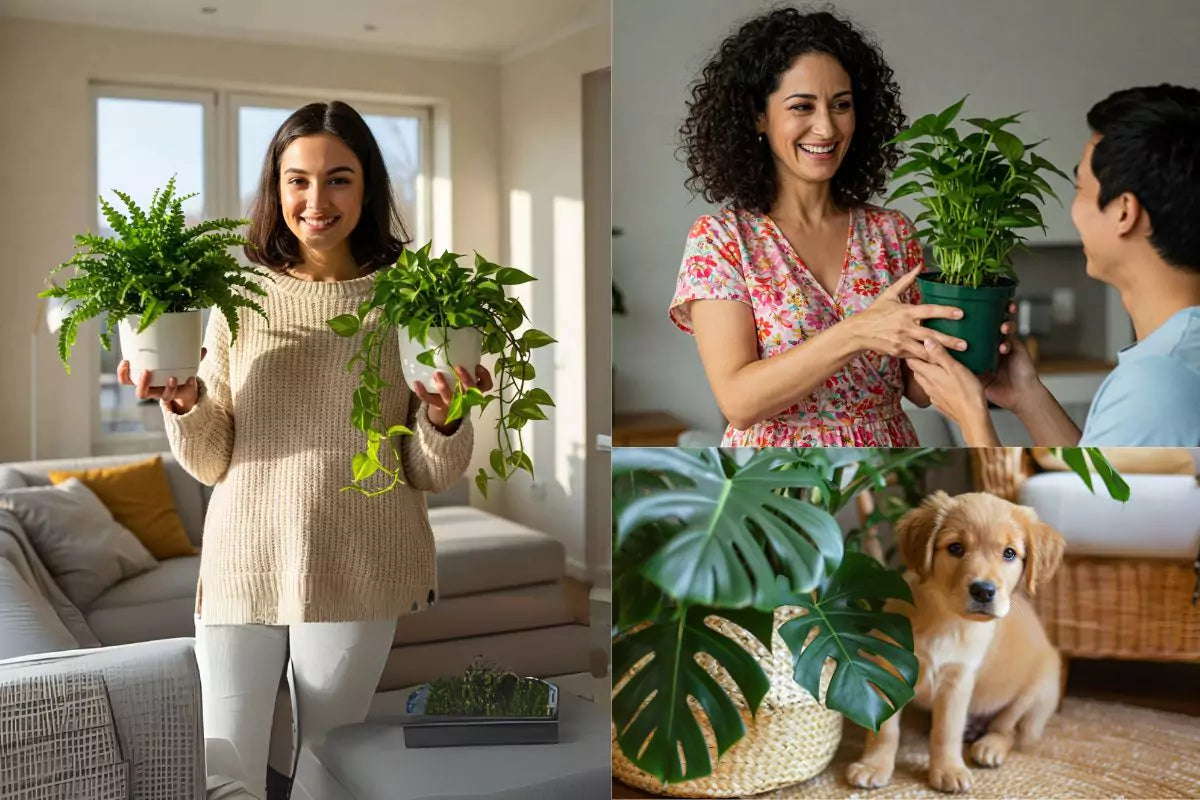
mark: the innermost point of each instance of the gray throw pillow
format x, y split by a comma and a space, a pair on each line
75, 535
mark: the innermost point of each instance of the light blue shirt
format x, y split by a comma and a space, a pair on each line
1152, 398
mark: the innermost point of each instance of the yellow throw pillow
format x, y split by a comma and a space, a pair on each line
1131, 460
139, 498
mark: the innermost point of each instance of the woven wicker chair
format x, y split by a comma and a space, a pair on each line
1121, 608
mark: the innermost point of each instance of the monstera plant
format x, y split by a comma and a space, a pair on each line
737, 534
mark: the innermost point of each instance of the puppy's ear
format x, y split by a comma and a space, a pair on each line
1043, 549
914, 532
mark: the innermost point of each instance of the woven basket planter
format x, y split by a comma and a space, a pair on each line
792, 738
1122, 608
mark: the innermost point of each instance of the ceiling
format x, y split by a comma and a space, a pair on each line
470, 30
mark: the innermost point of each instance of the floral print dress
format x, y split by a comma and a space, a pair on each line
740, 255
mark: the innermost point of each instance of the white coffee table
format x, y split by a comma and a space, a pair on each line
370, 762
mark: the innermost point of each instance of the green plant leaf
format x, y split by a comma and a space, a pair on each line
1117, 488
533, 338
846, 623
912, 187
508, 276
653, 721
364, 466
1008, 144
720, 558
344, 325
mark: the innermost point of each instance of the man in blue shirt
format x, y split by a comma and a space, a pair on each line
1137, 209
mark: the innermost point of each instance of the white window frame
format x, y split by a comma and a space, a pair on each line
220, 191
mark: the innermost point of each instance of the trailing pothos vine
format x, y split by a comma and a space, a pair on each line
427, 298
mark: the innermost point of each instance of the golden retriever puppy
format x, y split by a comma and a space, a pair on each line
980, 647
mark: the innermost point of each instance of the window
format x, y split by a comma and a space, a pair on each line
213, 142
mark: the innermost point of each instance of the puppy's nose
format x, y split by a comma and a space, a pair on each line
983, 591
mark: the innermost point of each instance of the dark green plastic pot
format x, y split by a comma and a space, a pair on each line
984, 309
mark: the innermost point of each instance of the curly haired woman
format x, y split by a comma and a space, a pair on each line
799, 292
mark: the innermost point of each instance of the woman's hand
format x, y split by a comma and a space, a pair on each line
956, 392
437, 402
893, 327
180, 399
1016, 378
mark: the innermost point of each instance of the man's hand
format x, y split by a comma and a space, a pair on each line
955, 392
1016, 378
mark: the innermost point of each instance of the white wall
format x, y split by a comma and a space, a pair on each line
45, 69
1053, 58
542, 186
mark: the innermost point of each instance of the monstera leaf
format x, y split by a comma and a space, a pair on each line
650, 712
849, 624
739, 529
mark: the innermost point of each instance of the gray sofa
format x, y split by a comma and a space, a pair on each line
501, 585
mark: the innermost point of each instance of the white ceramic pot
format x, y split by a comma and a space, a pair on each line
169, 348
465, 349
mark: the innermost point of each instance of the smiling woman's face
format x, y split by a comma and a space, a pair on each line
320, 191
809, 119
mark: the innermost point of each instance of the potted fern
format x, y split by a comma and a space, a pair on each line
445, 314
736, 593
979, 191
151, 281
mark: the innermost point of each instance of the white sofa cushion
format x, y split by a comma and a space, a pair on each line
1160, 520
162, 619
516, 555
76, 537
514, 609
174, 578
27, 619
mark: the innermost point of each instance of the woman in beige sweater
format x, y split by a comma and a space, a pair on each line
295, 571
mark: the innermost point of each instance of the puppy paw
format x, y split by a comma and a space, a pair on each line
868, 775
991, 750
950, 777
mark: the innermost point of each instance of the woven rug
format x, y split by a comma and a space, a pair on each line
1091, 749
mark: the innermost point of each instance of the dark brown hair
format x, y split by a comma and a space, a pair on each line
378, 238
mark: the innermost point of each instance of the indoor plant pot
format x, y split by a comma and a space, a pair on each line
151, 280
444, 314
169, 348
450, 347
978, 192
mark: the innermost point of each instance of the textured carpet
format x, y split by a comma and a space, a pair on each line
1091, 749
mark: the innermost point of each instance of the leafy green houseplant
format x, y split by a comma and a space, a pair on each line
979, 191
485, 690
151, 280
445, 314
707, 539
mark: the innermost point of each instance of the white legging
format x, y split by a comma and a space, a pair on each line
335, 669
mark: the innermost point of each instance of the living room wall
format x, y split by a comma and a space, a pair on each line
542, 192
45, 69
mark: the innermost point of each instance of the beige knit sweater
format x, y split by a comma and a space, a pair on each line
271, 431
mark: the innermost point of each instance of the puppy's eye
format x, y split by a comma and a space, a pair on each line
1009, 554
955, 549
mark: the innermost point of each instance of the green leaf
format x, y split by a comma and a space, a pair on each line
344, 325
1117, 488
650, 712
533, 338
912, 187
364, 466
539, 396
508, 276
733, 527
481, 482
1073, 456
847, 623
427, 358
1009, 145
947, 116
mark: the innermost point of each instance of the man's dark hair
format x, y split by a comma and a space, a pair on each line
378, 238
1150, 147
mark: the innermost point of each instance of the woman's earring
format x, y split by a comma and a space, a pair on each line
762, 138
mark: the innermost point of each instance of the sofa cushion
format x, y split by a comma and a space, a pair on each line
139, 498
163, 619
480, 552
1160, 520
191, 496
27, 619
172, 579
77, 539
514, 609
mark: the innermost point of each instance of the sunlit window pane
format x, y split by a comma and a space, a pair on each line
140, 145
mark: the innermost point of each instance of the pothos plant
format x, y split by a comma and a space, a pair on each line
427, 298
154, 265
979, 191
737, 534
